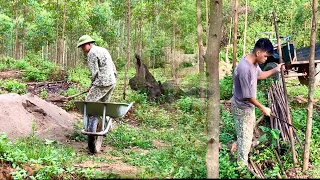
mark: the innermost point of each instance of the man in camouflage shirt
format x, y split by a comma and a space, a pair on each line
103, 71
244, 100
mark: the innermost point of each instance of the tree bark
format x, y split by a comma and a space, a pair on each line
245, 29
173, 50
311, 84
57, 34
213, 109
207, 23
128, 49
122, 39
235, 34
200, 47
23, 31
62, 42
17, 31
229, 41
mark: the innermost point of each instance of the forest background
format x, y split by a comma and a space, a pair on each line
164, 34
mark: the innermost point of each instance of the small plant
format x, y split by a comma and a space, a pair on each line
21, 64
15, 87
77, 135
270, 134
44, 93
34, 74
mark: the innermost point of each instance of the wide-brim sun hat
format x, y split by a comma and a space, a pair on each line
84, 40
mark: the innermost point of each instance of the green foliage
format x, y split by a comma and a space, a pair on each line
79, 75
34, 74
227, 127
43, 93
186, 64
191, 79
270, 134
21, 64
191, 105
77, 135
226, 85
15, 87
302, 90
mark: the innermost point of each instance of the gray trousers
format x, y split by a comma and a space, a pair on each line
244, 122
99, 94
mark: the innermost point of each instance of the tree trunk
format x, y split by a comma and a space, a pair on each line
173, 46
200, 48
122, 38
311, 84
57, 34
235, 34
207, 22
62, 41
229, 41
245, 29
17, 32
213, 109
128, 49
23, 30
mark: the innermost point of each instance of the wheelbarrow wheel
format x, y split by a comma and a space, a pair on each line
95, 142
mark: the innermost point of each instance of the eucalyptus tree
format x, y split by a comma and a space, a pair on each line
213, 109
311, 84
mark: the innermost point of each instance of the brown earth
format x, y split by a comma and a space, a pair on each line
18, 113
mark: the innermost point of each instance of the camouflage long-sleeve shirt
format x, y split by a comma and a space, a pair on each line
103, 70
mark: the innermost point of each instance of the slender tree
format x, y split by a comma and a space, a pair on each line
200, 47
17, 30
235, 34
213, 109
128, 48
57, 33
245, 29
311, 84
62, 41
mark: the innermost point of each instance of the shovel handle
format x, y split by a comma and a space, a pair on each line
75, 95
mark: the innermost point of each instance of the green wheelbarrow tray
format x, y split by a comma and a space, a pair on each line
111, 109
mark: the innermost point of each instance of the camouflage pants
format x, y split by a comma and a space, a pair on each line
99, 94
244, 122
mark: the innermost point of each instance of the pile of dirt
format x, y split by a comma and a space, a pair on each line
19, 113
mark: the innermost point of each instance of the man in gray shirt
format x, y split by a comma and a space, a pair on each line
245, 77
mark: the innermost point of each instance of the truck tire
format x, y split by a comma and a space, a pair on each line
271, 65
94, 142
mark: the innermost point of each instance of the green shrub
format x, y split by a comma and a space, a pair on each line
80, 75
34, 74
43, 93
15, 87
226, 85
186, 64
21, 64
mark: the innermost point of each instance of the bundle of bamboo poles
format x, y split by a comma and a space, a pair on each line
280, 115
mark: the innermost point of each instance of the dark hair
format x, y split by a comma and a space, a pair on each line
265, 45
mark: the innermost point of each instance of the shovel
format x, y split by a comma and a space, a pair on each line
65, 99
75, 95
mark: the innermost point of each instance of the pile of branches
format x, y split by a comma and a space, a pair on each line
281, 120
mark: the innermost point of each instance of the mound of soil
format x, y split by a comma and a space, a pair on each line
19, 113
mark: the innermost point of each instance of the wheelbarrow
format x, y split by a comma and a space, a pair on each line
97, 129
